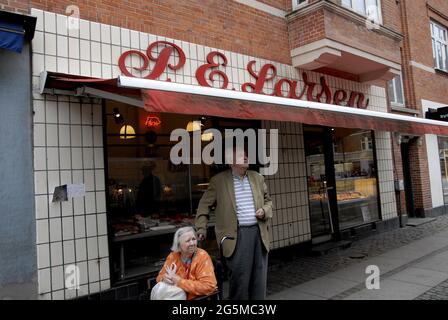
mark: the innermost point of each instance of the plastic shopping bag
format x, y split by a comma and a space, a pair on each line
166, 291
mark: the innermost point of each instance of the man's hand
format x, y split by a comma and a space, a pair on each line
201, 237
260, 213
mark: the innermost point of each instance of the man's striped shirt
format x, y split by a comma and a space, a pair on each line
245, 207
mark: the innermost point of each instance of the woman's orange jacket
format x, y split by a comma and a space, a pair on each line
200, 280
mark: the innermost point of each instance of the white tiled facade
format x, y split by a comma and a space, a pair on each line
68, 147
385, 175
288, 187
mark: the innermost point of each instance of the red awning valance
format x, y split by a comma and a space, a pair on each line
174, 102
51, 81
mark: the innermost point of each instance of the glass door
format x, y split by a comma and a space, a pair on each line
356, 180
318, 186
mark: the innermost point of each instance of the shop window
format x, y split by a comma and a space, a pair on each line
368, 8
395, 91
443, 155
356, 179
439, 46
149, 197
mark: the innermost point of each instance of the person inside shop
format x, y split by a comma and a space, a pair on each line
243, 209
193, 267
149, 192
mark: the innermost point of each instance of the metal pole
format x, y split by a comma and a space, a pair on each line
329, 209
189, 189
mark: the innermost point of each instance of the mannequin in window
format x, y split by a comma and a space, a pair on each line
149, 191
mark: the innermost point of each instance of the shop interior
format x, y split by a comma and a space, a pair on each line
149, 197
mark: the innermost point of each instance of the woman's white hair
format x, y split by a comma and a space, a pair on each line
179, 233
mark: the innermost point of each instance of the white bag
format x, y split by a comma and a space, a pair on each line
166, 291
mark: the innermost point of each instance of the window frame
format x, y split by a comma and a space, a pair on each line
367, 144
351, 7
296, 5
395, 102
443, 43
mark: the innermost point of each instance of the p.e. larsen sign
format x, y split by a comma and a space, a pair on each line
316, 92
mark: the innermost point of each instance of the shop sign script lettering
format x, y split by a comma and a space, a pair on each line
156, 61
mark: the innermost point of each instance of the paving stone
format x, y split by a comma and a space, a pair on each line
421, 276
391, 290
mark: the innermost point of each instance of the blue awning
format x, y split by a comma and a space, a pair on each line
11, 36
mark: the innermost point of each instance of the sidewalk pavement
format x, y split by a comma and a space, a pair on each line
413, 264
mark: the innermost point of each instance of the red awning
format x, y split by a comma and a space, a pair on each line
158, 96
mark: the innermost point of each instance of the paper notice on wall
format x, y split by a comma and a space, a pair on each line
365, 214
76, 190
60, 193
66, 191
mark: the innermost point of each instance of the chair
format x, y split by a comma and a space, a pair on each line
221, 267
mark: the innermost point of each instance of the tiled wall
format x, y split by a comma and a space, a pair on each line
385, 175
288, 187
384, 161
68, 149
68, 146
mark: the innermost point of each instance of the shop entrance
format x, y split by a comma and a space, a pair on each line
407, 179
321, 182
342, 180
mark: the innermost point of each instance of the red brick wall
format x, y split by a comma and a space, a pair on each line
18, 6
422, 84
420, 175
351, 33
398, 175
322, 23
308, 29
407, 70
227, 25
390, 11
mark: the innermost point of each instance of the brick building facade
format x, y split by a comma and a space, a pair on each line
424, 86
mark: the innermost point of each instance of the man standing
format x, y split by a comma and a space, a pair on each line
243, 211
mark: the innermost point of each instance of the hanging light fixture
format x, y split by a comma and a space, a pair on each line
194, 126
118, 117
127, 132
207, 136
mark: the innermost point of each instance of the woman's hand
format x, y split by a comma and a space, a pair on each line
173, 279
166, 279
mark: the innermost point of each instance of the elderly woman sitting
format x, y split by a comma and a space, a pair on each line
194, 273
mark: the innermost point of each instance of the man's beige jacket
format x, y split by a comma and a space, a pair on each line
221, 194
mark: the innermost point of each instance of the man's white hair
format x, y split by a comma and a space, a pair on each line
232, 153
179, 233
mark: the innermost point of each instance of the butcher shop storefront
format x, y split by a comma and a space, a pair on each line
106, 128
